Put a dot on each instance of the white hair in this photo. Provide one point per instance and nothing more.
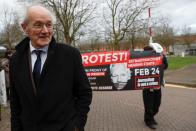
(25, 16)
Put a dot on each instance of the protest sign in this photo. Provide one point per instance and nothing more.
(123, 70)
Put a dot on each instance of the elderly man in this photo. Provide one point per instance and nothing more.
(49, 87)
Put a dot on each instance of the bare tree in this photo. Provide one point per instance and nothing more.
(122, 16)
(11, 32)
(164, 33)
(72, 15)
(187, 36)
(58, 31)
(136, 32)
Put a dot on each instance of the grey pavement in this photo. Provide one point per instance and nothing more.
(185, 76)
(123, 111)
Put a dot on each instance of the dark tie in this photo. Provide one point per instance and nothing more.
(37, 67)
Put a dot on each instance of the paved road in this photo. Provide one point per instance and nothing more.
(123, 111)
(184, 76)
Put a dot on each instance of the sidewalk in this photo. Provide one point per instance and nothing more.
(124, 111)
(185, 76)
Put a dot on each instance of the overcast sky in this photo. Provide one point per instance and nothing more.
(180, 12)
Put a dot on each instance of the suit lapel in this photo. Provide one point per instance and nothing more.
(47, 64)
(26, 75)
(49, 59)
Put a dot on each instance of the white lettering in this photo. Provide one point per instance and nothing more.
(108, 58)
(93, 57)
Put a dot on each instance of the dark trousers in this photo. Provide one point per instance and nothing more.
(152, 102)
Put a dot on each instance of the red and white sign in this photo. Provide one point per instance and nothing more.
(144, 62)
(142, 70)
(104, 58)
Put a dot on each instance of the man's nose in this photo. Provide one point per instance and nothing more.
(44, 29)
(119, 78)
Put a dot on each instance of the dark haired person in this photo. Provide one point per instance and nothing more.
(152, 97)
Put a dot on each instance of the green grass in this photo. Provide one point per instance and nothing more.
(180, 62)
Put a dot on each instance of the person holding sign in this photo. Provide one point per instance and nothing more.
(152, 96)
(120, 76)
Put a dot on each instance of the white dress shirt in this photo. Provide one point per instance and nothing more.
(34, 56)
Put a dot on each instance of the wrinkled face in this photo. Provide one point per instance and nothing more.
(119, 76)
(39, 28)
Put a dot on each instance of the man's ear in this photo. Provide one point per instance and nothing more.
(24, 28)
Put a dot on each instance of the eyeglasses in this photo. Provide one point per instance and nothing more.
(40, 26)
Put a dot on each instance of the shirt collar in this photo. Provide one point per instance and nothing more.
(44, 49)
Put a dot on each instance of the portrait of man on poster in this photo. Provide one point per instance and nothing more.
(120, 76)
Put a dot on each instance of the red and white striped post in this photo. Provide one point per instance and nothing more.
(149, 25)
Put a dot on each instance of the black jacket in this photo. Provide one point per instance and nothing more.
(62, 99)
(164, 66)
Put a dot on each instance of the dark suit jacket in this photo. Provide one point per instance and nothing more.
(62, 99)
